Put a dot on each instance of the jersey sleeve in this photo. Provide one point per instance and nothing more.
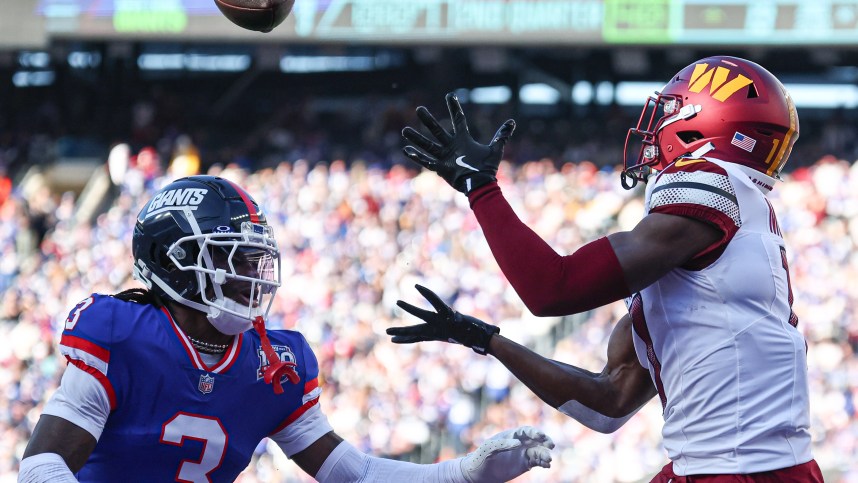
(304, 431)
(308, 368)
(702, 190)
(86, 340)
(81, 400)
(548, 283)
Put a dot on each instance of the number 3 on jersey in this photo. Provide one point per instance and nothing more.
(74, 316)
(205, 429)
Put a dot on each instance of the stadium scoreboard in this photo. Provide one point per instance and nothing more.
(503, 22)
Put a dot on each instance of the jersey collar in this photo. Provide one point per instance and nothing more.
(762, 181)
(229, 356)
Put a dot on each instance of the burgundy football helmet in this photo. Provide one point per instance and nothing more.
(736, 105)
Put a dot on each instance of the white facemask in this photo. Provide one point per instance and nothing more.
(229, 323)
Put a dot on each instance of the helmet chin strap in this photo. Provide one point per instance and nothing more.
(685, 112)
(149, 279)
(702, 150)
(225, 321)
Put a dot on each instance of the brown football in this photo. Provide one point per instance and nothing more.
(259, 15)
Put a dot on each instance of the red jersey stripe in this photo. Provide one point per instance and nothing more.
(310, 385)
(636, 312)
(295, 415)
(231, 355)
(223, 365)
(189, 349)
(86, 346)
(101, 378)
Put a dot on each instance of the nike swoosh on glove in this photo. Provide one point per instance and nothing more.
(464, 163)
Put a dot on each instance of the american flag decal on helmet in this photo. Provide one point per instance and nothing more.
(743, 141)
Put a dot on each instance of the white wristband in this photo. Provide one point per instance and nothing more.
(346, 463)
(45, 468)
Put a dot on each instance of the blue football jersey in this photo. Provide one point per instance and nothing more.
(173, 418)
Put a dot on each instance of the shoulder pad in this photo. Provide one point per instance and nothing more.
(695, 183)
(90, 318)
(98, 322)
(88, 331)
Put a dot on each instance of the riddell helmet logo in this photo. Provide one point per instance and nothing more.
(716, 78)
(177, 197)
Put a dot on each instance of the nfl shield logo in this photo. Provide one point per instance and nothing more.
(206, 384)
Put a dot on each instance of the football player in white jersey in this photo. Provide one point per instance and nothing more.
(710, 328)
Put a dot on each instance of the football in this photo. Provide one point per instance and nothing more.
(259, 15)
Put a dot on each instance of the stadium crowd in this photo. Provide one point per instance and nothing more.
(355, 238)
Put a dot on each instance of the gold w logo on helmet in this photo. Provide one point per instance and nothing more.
(716, 78)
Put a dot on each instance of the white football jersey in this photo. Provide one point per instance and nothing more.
(719, 336)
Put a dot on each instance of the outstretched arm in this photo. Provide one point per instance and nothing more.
(601, 401)
(600, 272)
(500, 458)
(310, 441)
(548, 283)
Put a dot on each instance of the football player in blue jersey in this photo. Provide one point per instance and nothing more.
(171, 384)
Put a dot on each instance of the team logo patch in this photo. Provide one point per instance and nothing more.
(716, 78)
(206, 384)
(176, 199)
(283, 351)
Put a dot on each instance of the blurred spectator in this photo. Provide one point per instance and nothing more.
(186, 159)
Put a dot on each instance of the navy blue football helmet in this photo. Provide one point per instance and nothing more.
(202, 241)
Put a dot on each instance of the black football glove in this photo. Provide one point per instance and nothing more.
(461, 161)
(445, 325)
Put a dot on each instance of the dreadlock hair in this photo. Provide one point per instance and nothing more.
(140, 296)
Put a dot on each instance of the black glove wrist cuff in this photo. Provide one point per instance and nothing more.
(478, 334)
(483, 348)
(477, 180)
